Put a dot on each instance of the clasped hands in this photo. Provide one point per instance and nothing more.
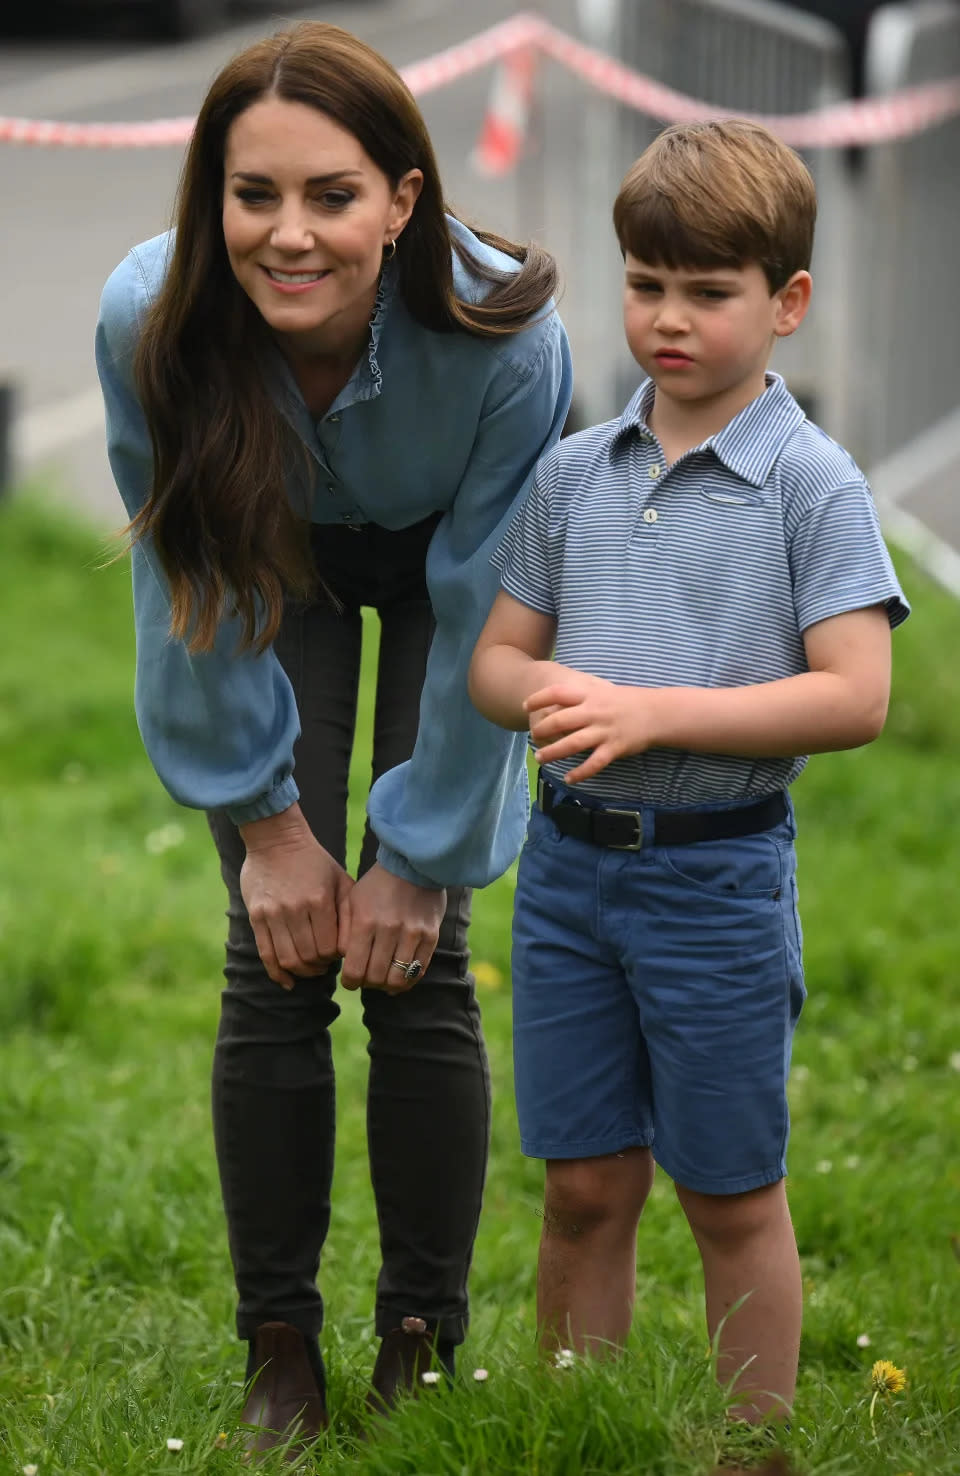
(578, 713)
(306, 911)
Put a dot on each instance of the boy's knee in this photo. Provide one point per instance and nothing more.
(583, 1194)
(727, 1220)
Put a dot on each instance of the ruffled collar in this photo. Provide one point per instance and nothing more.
(366, 380)
(386, 290)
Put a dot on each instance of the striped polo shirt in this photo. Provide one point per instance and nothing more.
(705, 573)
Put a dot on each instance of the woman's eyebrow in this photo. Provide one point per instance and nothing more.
(314, 179)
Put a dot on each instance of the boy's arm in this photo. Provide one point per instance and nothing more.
(841, 702)
(511, 660)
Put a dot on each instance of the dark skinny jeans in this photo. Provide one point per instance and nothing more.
(428, 1099)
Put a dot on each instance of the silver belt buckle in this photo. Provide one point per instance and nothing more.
(637, 843)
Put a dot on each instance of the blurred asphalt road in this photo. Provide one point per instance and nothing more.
(71, 214)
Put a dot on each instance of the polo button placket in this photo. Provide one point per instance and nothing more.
(646, 531)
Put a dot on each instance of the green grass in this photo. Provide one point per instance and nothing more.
(115, 1290)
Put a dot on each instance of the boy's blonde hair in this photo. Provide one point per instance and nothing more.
(719, 194)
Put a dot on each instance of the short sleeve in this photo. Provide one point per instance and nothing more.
(523, 557)
(839, 560)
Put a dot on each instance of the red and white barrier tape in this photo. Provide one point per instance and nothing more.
(506, 122)
(857, 121)
(162, 133)
(860, 121)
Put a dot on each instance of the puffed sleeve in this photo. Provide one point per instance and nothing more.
(455, 812)
(219, 727)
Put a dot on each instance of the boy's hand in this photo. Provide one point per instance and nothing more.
(537, 717)
(587, 714)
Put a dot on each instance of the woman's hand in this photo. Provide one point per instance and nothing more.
(385, 918)
(294, 893)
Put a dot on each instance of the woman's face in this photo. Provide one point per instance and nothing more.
(306, 217)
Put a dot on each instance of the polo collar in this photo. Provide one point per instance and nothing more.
(749, 445)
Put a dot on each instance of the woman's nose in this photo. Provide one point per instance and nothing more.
(291, 232)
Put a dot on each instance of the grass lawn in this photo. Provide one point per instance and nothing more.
(116, 1299)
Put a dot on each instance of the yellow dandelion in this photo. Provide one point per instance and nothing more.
(487, 975)
(886, 1378)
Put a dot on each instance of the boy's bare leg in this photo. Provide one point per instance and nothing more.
(587, 1270)
(749, 1251)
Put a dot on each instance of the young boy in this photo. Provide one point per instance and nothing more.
(709, 576)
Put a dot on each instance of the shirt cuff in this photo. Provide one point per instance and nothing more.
(392, 861)
(274, 802)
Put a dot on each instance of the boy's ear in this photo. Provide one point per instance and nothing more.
(793, 299)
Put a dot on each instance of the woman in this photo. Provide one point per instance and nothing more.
(323, 392)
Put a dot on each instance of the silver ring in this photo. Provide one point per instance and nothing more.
(411, 970)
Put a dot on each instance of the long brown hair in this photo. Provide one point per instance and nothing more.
(218, 513)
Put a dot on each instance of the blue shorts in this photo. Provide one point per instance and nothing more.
(655, 994)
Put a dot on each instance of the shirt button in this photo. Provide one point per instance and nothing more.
(655, 469)
(650, 515)
(331, 489)
(334, 419)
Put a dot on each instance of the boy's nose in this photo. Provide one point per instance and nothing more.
(671, 318)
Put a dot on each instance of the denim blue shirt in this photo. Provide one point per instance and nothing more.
(428, 422)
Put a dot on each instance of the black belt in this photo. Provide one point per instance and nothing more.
(623, 829)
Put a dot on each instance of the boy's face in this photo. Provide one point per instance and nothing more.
(707, 334)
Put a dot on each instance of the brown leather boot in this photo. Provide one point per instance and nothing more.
(286, 1398)
(406, 1353)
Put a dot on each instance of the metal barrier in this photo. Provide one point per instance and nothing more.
(760, 57)
(877, 361)
(905, 348)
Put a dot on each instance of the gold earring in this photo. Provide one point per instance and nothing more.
(390, 251)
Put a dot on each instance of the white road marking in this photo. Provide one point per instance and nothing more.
(927, 455)
(904, 472)
(932, 553)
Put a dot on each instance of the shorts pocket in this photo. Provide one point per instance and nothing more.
(541, 831)
(749, 866)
